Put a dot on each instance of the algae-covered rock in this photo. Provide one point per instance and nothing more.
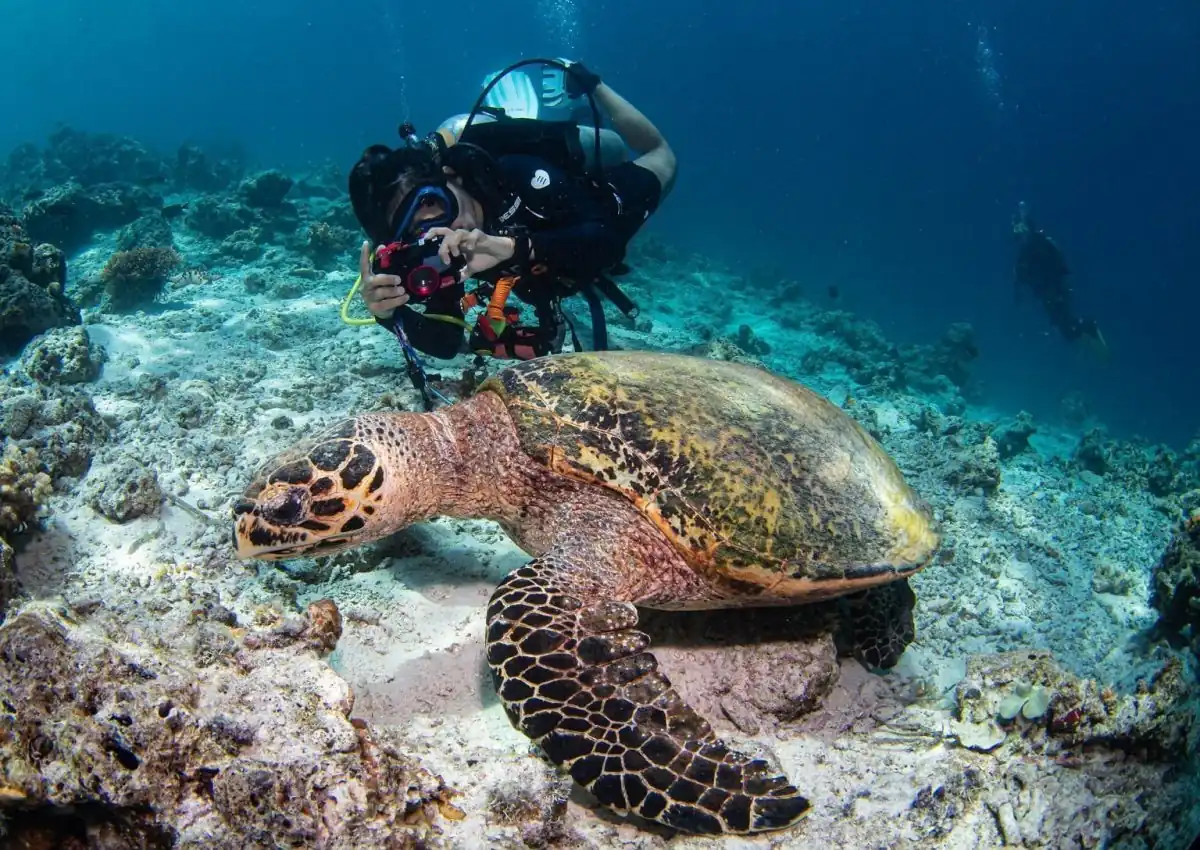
(24, 488)
(127, 490)
(8, 576)
(63, 356)
(1012, 437)
(1057, 710)
(100, 731)
(1176, 593)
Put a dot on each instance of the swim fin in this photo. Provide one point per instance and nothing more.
(515, 94)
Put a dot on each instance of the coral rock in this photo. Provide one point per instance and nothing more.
(63, 356)
(32, 281)
(128, 490)
(1176, 593)
(266, 190)
(69, 214)
(24, 488)
(137, 276)
(252, 751)
(1012, 438)
(150, 231)
(976, 467)
(1158, 721)
(8, 576)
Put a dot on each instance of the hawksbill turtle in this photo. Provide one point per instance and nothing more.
(632, 479)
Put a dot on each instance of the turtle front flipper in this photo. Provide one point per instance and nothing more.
(573, 675)
(878, 623)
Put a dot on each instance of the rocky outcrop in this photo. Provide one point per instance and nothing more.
(32, 287)
(1176, 586)
(105, 733)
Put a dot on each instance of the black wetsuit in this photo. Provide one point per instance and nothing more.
(1041, 267)
(576, 229)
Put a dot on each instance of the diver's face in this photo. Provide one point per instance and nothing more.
(470, 215)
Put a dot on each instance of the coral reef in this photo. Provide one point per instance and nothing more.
(32, 287)
(723, 348)
(87, 159)
(128, 489)
(136, 277)
(59, 422)
(858, 346)
(1138, 465)
(326, 242)
(1012, 437)
(63, 356)
(218, 218)
(68, 215)
(93, 158)
(1176, 586)
(8, 577)
(195, 169)
(949, 358)
(152, 230)
(24, 489)
(115, 739)
(532, 803)
(266, 190)
(1025, 700)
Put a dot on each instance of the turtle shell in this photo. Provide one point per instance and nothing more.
(755, 478)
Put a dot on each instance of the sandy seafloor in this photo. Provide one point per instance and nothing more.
(214, 379)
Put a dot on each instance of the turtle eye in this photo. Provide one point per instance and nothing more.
(288, 507)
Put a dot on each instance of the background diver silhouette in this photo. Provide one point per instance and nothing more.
(1041, 267)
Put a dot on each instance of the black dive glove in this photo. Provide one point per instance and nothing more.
(580, 80)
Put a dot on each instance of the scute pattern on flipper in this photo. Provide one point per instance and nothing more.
(753, 476)
(879, 623)
(575, 678)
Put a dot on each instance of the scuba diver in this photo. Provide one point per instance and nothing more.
(516, 196)
(1040, 266)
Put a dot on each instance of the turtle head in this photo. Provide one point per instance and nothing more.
(355, 483)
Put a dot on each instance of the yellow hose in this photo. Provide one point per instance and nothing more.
(344, 312)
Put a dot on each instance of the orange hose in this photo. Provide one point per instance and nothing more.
(495, 307)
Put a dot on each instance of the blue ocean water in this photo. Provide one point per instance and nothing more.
(874, 147)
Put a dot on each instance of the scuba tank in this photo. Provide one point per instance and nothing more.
(500, 141)
(512, 92)
(512, 115)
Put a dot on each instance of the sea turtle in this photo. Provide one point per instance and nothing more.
(632, 478)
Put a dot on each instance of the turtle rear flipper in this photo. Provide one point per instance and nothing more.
(572, 674)
(878, 623)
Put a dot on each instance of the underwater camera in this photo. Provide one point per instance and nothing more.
(418, 265)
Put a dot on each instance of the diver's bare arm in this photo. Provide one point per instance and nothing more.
(640, 134)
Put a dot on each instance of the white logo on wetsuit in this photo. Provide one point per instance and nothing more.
(511, 211)
(541, 179)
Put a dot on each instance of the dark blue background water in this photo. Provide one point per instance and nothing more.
(853, 144)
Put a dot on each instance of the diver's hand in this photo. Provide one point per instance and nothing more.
(482, 251)
(579, 80)
(382, 293)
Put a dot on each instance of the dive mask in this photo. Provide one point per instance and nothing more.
(421, 197)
